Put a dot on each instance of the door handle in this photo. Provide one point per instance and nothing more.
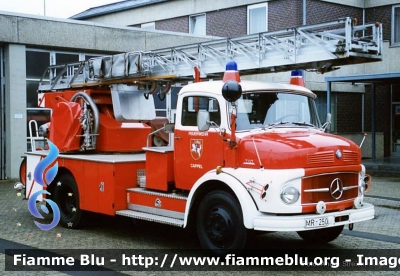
(177, 137)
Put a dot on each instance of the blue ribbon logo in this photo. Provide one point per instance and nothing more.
(49, 176)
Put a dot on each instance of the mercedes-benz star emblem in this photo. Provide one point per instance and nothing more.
(336, 188)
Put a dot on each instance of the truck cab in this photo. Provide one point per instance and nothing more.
(262, 154)
(266, 113)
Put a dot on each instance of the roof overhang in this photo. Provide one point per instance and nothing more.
(367, 78)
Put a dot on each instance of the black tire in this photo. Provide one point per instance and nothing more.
(219, 223)
(321, 236)
(22, 173)
(66, 196)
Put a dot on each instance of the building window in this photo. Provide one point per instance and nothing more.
(36, 64)
(257, 18)
(63, 58)
(396, 25)
(197, 24)
(148, 26)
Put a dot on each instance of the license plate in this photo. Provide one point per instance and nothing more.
(317, 222)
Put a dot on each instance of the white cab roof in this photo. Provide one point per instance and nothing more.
(215, 87)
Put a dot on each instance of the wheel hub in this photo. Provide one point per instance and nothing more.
(219, 227)
(67, 202)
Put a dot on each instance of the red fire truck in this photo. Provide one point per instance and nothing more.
(241, 155)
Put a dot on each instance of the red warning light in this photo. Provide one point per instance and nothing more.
(231, 72)
(297, 78)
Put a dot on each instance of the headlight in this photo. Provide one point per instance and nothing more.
(290, 195)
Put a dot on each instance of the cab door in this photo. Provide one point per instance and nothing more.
(196, 152)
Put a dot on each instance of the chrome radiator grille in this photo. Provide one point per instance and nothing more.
(337, 190)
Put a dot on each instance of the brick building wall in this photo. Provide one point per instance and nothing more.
(228, 22)
(384, 14)
(178, 24)
(224, 23)
(284, 14)
(349, 112)
(318, 12)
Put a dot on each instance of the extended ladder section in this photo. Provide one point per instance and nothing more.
(320, 48)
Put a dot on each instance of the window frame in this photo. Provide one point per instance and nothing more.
(256, 6)
(32, 79)
(190, 108)
(148, 26)
(191, 17)
(393, 28)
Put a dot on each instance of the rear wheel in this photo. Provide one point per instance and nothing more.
(220, 223)
(22, 173)
(321, 235)
(66, 196)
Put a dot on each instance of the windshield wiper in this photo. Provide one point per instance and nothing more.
(275, 124)
(303, 124)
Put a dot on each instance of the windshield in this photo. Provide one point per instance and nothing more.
(263, 109)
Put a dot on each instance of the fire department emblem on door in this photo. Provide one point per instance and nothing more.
(196, 148)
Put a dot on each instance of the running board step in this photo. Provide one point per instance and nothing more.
(156, 193)
(151, 217)
(163, 204)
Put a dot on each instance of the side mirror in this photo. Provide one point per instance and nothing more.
(203, 120)
(169, 127)
(327, 124)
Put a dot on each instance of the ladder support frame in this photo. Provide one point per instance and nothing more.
(320, 47)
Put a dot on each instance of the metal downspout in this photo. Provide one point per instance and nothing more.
(328, 99)
(373, 140)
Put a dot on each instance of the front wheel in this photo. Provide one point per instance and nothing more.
(220, 223)
(66, 196)
(324, 235)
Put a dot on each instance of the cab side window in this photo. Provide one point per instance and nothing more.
(192, 105)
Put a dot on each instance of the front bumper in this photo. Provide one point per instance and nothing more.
(266, 222)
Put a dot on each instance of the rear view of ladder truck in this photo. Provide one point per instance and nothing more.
(240, 155)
